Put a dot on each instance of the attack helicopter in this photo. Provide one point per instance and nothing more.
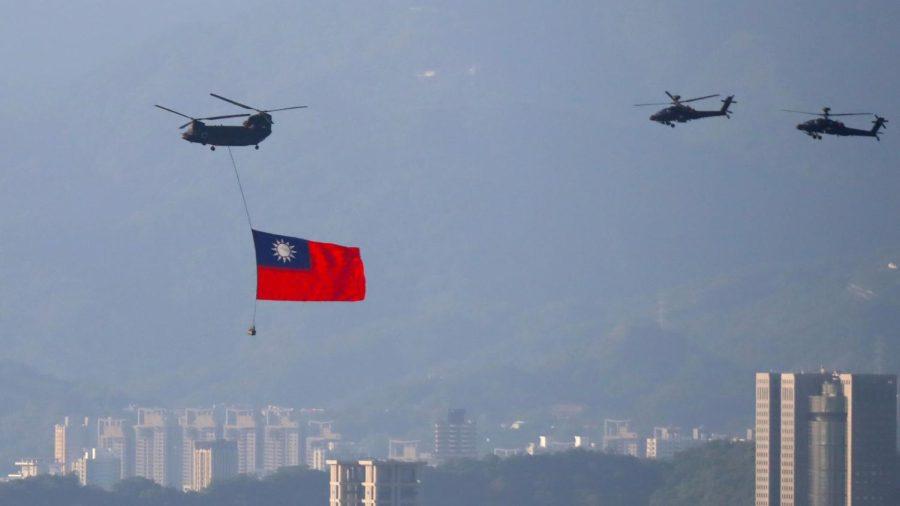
(678, 112)
(253, 131)
(825, 125)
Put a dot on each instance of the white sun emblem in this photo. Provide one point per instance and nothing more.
(283, 251)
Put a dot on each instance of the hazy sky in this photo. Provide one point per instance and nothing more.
(485, 156)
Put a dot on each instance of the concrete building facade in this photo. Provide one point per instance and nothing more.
(666, 442)
(619, 439)
(116, 435)
(196, 425)
(98, 468)
(282, 438)
(212, 461)
(455, 438)
(70, 438)
(241, 426)
(403, 451)
(157, 447)
(374, 483)
(768, 439)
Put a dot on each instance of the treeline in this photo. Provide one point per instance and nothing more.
(711, 475)
(293, 486)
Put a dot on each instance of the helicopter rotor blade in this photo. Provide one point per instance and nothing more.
(673, 97)
(700, 98)
(851, 114)
(804, 112)
(220, 97)
(227, 116)
(286, 108)
(655, 103)
(173, 112)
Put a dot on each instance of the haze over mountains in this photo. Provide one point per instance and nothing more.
(530, 238)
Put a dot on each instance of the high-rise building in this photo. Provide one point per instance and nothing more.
(281, 439)
(768, 439)
(871, 437)
(796, 389)
(455, 438)
(116, 435)
(241, 426)
(828, 446)
(70, 438)
(99, 468)
(196, 425)
(374, 483)
(213, 460)
(835, 436)
(157, 447)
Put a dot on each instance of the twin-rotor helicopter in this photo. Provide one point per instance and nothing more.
(678, 112)
(254, 130)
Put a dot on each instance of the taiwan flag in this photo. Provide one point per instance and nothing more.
(288, 268)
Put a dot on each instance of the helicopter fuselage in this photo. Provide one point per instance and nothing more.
(681, 113)
(223, 135)
(816, 127)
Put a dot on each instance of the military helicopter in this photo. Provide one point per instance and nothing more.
(677, 112)
(254, 129)
(825, 125)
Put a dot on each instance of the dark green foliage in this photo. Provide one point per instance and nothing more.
(711, 475)
(52, 491)
(572, 478)
(289, 486)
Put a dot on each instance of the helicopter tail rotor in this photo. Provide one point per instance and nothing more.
(878, 124)
(726, 103)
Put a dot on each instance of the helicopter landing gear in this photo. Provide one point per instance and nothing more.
(212, 148)
(256, 147)
(672, 125)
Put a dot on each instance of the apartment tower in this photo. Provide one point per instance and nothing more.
(196, 425)
(374, 483)
(157, 447)
(281, 439)
(455, 437)
(241, 426)
(212, 461)
(116, 436)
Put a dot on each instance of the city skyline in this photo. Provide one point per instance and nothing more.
(566, 296)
